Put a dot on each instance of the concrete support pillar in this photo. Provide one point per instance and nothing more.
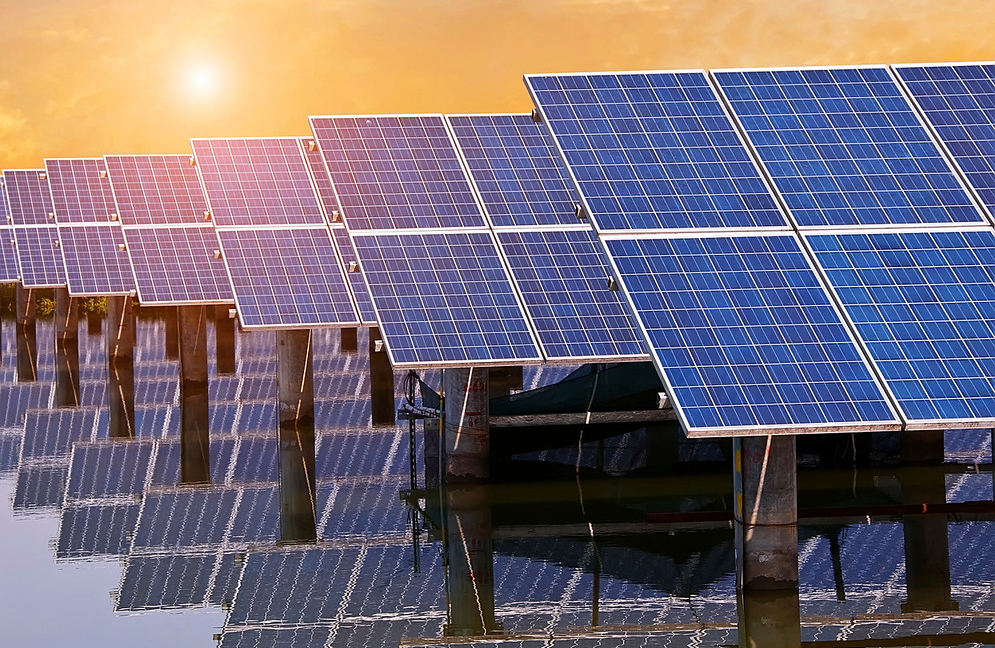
(172, 333)
(769, 619)
(432, 433)
(382, 381)
(25, 329)
(470, 563)
(295, 377)
(192, 327)
(467, 428)
(298, 508)
(922, 447)
(195, 437)
(927, 548)
(766, 512)
(121, 366)
(349, 340)
(224, 330)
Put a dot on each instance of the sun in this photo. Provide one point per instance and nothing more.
(202, 78)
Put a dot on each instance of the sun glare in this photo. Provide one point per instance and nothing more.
(202, 79)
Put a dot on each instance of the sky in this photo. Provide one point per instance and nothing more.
(92, 77)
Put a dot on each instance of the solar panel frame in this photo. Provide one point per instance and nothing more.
(94, 261)
(360, 293)
(859, 357)
(969, 204)
(157, 190)
(38, 259)
(748, 159)
(81, 190)
(176, 266)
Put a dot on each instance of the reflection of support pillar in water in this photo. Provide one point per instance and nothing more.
(298, 514)
(195, 438)
(192, 328)
(224, 330)
(25, 329)
(467, 427)
(382, 382)
(499, 379)
(121, 366)
(295, 379)
(66, 315)
(94, 322)
(766, 513)
(470, 563)
(433, 446)
(349, 340)
(769, 619)
(67, 392)
(172, 333)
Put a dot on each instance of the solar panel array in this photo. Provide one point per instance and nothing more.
(8, 257)
(35, 237)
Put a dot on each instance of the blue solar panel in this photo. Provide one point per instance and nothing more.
(844, 147)
(8, 257)
(445, 298)
(96, 261)
(38, 257)
(924, 305)
(322, 181)
(87, 531)
(563, 278)
(29, 197)
(284, 277)
(959, 103)
(257, 181)
(51, 433)
(654, 151)
(396, 172)
(746, 336)
(514, 164)
(176, 265)
(108, 468)
(156, 189)
(363, 300)
(81, 190)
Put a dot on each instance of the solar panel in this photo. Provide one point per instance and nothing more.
(108, 468)
(844, 147)
(518, 173)
(167, 581)
(746, 337)
(104, 530)
(81, 190)
(924, 304)
(257, 181)
(29, 197)
(396, 172)
(38, 258)
(188, 518)
(97, 262)
(359, 291)
(8, 258)
(322, 181)
(51, 433)
(445, 299)
(176, 265)
(958, 100)
(654, 150)
(286, 278)
(563, 278)
(156, 189)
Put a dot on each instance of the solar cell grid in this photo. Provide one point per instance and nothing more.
(8, 256)
(156, 189)
(322, 181)
(39, 260)
(445, 298)
(746, 336)
(958, 101)
(359, 290)
(844, 147)
(924, 305)
(514, 164)
(257, 181)
(29, 197)
(654, 150)
(176, 265)
(96, 261)
(396, 172)
(81, 190)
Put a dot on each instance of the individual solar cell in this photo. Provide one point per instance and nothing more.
(97, 262)
(563, 278)
(517, 171)
(38, 258)
(156, 189)
(359, 290)
(176, 265)
(924, 305)
(257, 181)
(88, 531)
(396, 172)
(29, 197)
(958, 101)
(81, 190)
(746, 337)
(444, 299)
(287, 278)
(844, 147)
(654, 151)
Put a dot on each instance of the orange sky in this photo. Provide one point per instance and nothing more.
(83, 78)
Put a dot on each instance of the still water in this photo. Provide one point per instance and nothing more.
(105, 540)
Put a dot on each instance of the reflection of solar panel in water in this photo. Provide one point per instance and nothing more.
(188, 518)
(165, 582)
(362, 510)
(514, 164)
(654, 151)
(81, 190)
(39, 486)
(101, 530)
(258, 460)
(445, 299)
(10, 452)
(17, 399)
(367, 452)
(176, 265)
(276, 638)
(257, 519)
(108, 468)
(96, 261)
(39, 262)
(396, 172)
(50, 434)
(287, 278)
(156, 189)
(257, 182)
(844, 147)
(29, 198)
(746, 336)
(924, 305)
